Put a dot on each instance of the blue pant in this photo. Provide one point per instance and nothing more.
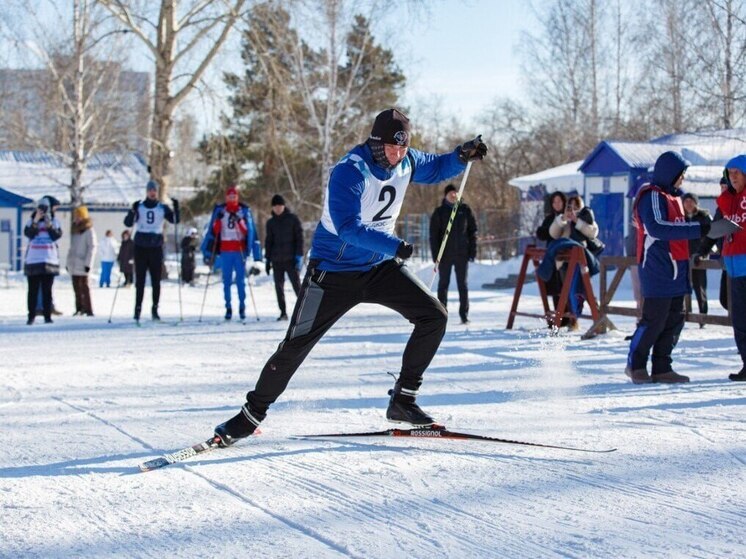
(233, 263)
(738, 313)
(105, 277)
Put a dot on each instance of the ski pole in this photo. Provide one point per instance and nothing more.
(116, 291)
(450, 223)
(209, 274)
(253, 301)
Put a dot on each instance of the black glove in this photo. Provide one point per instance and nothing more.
(87, 269)
(268, 266)
(254, 271)
(219, 215)
(404, 251)
(175, 203)
(472, 150)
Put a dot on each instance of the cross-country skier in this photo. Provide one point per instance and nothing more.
(149, 216)
(356, 258)
(233, 228)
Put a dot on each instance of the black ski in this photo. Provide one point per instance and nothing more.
(181, 455)
(441, 432)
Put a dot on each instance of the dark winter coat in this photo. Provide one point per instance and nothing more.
(284, 239)
(700, 216)
(462, 240)
(542, 232)
(188, 250)
(126, 256)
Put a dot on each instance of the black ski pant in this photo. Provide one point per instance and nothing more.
(659, 330)
(148, 260)
(461, 265)
(279, 269)
(35, 283)
(326, 296)
(699, 285)
(738, 313)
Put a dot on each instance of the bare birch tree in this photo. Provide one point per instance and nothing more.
(76, 90)
(183, 39)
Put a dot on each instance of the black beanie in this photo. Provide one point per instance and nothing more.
(278, 200)
(691, 196)
(449, 188)
(391, 127)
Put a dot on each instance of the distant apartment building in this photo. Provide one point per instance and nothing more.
(33, 116)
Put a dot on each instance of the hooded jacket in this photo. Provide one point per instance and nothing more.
(663, 232)
(362, 201)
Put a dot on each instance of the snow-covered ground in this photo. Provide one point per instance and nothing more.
(83, 402)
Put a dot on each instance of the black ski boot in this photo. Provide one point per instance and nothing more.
(240, 426)
(242, 313)
(403, 409)
(137, 314)
(154, 313)
(228, 313)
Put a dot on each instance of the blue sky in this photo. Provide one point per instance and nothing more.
(466, 53)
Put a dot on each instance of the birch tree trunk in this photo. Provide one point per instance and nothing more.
(195, 32)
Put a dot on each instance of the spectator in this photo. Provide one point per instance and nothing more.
(732, 203)
(80, 259)
(558, 201)
(149, 217)
(582, 225)
(232, 228)
(692, 212)
(42, 259)
(107, 254)
(189, 246)
(126, 258)
(283, 250)
(55, 204)
(460, 249)
(663, 261)
(706, 247)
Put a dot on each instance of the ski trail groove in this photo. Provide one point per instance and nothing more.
(309, 532)
(221, 487)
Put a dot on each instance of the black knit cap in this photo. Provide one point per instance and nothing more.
(449, 188)
(391, 127)
(278, 200)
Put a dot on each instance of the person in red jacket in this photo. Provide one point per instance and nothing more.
(732, 204)
(232, 227)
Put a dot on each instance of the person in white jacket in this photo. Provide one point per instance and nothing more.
(80, 259)
(107, 255)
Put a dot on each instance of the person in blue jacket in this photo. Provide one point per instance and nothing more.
(357, 258)
(231, 233)
(663, 265)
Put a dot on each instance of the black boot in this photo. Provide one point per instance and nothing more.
(403, 409)
(740, 376)
(154, 313)
(137, 314)
(240, 426)
(228, 313)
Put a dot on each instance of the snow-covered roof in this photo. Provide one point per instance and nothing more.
(707, 148)
(564, 177)
(111, 179)
(640, 154)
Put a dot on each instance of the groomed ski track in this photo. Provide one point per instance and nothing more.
(84, 402)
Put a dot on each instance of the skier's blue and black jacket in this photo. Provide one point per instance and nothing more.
(362, 202)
